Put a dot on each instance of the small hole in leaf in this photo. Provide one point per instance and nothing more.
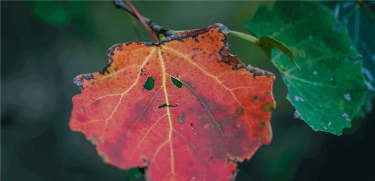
(149, 84)
(164, 105)
(176, 82)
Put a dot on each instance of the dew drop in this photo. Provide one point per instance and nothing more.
(347, 97)
(296, 98)
(346, 116)
(297, 114)
(181, 119)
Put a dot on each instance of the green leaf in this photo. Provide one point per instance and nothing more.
(266, 44)
(359, 20)
(329, 89)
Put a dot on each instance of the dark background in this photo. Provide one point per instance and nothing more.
(44, 45)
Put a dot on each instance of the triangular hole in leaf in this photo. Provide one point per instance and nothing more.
(176, 82)
(149, 84)
(141, 170)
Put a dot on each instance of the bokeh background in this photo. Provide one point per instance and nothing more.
(45, 44)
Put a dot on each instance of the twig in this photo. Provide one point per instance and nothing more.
(155, 28)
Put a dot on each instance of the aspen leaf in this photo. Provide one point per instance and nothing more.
(184, 108)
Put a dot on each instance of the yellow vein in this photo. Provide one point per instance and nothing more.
(169, 115)
(157, 150)
(148, 131)
(110, 75)
(191, 62)
(110, 95)
(122, 95)
(115, 73)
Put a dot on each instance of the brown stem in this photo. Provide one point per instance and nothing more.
(156, 28)
(142, 20)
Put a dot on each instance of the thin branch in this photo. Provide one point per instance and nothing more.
(142, 20)
(156, 28)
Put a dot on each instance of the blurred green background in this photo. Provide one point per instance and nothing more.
(45, 44)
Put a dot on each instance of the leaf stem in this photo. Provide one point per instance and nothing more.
(142, 20)
(244, 36)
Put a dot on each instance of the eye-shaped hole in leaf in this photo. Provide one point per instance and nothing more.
(149, 84)
(165, 105)
(176, 82)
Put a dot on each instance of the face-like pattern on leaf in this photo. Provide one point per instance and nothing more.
(185, 108)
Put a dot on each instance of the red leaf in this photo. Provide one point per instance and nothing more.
(221, 113)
